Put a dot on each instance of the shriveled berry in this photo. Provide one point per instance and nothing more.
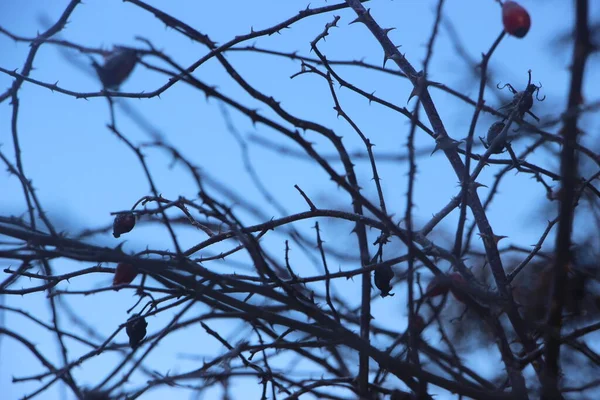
(522, 102)
(492, 133)
(124, 274)
(383, 277)
(515, 19)
(118, 65)
(136, 330)
(525, 99)
(123, 223)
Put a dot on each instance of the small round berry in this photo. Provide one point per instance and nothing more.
(123, 223)
(515, 19)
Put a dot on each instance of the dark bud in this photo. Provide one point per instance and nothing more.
(383, 277)
(117, 67)
(136, 330)
(123, 223)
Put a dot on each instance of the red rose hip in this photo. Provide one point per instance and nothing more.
(458, 280)
(515, 19)
(438, 286)
(124, 274)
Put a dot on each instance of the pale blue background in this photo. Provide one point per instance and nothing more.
(82, 172)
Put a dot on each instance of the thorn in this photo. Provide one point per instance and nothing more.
(415, 92)
(371, 97)
(445, 143)
(354, 21)
(386, 57)
(419, 87)
(496, 238)
(387, 30)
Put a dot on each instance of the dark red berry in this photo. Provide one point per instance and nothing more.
(458, 280)
(118, 65)
(383, 277)
(136, 330)
(437, 286)
(419, 323)
(124, 274)
(123, 223)
(515, 19)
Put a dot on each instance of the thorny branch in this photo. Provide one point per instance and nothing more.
(232, 268)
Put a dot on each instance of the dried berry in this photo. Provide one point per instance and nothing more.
(123, 223)
(383, 277)
(526, 99)
(515, 19)
(522, 101)
(492, 134)
(118, 65)
(124, 274)
(136, 330)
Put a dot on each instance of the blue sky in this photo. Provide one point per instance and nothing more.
(82, 172)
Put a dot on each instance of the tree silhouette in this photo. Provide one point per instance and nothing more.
(263, 246)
